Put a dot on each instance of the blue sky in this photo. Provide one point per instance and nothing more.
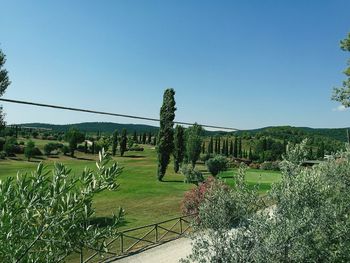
(245, 64)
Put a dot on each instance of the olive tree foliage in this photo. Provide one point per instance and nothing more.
(342, 94)
(165, 144)
(194, 143)
(47, 216)
(308, 221)
(4, 83)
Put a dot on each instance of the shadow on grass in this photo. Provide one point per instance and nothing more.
(84, 159)
(134, 156)
(172, 181)
(104, 221)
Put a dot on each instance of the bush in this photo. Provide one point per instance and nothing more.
(254, 165)
(50, 147)
(65, 149)
(205, 157)
(217, 164)
(273, 166)
(191, 175)
(10, 146)
(2, 155)
(194, 197)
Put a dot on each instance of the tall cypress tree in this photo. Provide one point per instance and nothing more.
(240, 147)
(144, 137)
(216, 146)
(219, 145)
(114, 142)
(235, 148)
(166, 132)
(250, 154)
(203, 147)
(226, 147)
(231, 148)
(211, 146)
(123, 142)
(135, 137)
(149, 139)
(179, 147)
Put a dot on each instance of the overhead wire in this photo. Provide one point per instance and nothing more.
(109, 113)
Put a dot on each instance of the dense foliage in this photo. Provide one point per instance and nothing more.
(4, 83)
(217, 164)
(194, 143)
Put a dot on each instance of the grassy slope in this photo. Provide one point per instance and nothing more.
(144, 199)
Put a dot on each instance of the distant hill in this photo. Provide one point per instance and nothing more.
(280, 132)
(107, 127)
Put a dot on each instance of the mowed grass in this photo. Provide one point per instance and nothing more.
(144, 199)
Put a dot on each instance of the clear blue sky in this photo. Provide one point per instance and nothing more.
(245, 64)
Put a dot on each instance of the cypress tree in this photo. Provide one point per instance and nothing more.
(166, 132)
(149, 139)
(211, 146)
(85, 147)
(240, 147)
(135, 137)
(115, 142)
(193, 143)
(219, 145)
(144, 137)
(235, 148)
(155, 140)
(140, 139)
(93, 147)
(123, 142)
(179, 147)
(203, 147)
(231, 148)
(216, 146)
(250, 155)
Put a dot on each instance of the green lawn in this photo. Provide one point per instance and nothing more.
(144, 199)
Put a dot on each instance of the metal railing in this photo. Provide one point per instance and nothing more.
(134, 240)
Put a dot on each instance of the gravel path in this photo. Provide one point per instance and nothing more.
(170, 252)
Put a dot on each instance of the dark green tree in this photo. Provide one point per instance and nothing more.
(194, 143)
(203, 147)
(231, 148)
(211, 146)
(166, 132)
(235, 148)
(123, 142)
(179, 147)
(149, 138)
(74, 137)
(144, 138)
(135, 137)
(115, 142)
(240, 147)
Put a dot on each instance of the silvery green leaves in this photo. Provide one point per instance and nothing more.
(45, 216)
(308, 221)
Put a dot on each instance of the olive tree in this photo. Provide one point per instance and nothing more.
(47, 216)
(4, 83)
(308, 220)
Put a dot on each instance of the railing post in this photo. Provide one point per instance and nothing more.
(81, 255)
(156, 235)
(121, 243)
(181, 225)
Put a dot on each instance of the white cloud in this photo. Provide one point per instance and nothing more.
(340, 108)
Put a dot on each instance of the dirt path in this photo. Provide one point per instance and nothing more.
(170, 252)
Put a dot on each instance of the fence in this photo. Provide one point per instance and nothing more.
(137, 239)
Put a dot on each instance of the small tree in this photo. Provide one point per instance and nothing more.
(179, 147)
(166, 132)
(123, 142)
(193, 143)
(73, 137)
(29, 150)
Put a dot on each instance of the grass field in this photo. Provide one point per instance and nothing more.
(144, 199)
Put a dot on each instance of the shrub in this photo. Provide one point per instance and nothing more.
(10, 146)
(194, 197)
(65, 149)
(136, 148)
(217, 164)
(205, 157)
(2, 155)
(273, 166)
(50, 147)
(254, 165)
(191, 175)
